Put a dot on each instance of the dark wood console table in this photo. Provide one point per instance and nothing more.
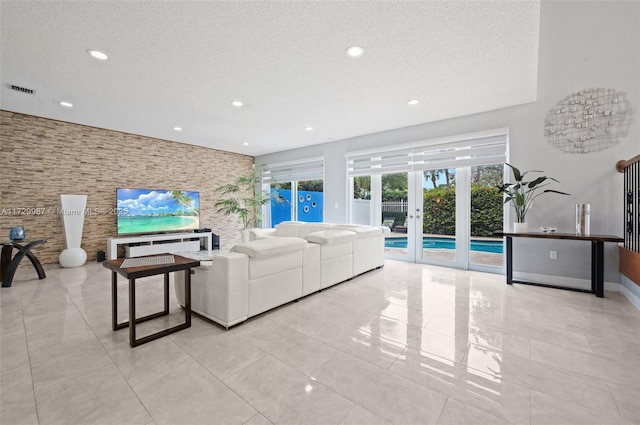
(133, 273)
(597, 257)
(9, 265)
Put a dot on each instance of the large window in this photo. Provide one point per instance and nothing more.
(300, 186)
(281, 210)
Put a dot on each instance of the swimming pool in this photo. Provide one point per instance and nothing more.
(447, 243)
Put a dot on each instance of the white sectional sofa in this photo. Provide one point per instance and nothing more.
(368, 247)
(280, 265)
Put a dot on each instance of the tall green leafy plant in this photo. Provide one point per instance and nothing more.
(242, 199)
(522, 193)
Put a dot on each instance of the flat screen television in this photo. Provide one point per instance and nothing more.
(157, 211)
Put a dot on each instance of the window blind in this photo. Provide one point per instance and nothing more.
(311, 169)
(392, 161)
(484, 148)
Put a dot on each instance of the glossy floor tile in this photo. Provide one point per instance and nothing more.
(455, 413)
(406, 344)
(73, 399)
(389, 396)
(284, 395)
(189, 393)
(495, 396)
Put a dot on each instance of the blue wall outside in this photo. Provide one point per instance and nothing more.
(310, 207)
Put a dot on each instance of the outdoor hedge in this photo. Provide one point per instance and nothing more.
(440, 211)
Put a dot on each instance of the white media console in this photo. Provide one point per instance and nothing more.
(157, 244)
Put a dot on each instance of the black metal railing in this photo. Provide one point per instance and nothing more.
(631, 170)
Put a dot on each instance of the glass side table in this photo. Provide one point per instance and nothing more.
(9, 263)
(198, 255)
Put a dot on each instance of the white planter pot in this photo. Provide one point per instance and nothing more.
(520, 228)
(244, 235)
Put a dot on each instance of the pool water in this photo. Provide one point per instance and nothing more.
(447, 243)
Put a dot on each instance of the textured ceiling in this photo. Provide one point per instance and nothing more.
(181, 64)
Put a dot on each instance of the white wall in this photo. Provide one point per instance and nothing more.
(582, 45)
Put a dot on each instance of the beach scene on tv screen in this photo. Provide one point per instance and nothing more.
(154, 211)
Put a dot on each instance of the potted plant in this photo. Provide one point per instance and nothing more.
(241, 198)
(522, 193)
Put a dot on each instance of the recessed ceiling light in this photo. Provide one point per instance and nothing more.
(237, 103)
(66, 104)
(98, 54)
(413, 102)
(245, 144)
(177, 128)
(309, 128)
(355, 51)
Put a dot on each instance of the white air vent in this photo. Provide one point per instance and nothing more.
(21, 89)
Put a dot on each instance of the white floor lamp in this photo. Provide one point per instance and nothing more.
(73, 207)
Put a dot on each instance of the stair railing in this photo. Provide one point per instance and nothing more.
(630, 253)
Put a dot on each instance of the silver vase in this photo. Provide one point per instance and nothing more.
(583, 219)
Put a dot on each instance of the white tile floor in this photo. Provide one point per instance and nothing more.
(407, 344)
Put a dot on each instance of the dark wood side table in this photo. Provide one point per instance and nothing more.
(133, 273)
(597, 257)
(9, 264)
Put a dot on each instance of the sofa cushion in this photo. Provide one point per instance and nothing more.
(298, 228)
(361, 231)
(336, 250)
(261, 233)
(267, 247)
(268, 266)
(327, 237)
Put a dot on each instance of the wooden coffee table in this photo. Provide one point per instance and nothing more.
(132, 273)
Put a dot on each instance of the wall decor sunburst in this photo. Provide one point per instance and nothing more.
(588, 121)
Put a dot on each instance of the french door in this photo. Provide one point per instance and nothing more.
(430, 232)
(445, 218)
(437, 197)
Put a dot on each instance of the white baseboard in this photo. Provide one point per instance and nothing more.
(569, 282)
(633, 298)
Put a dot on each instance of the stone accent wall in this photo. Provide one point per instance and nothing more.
(43, 158)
